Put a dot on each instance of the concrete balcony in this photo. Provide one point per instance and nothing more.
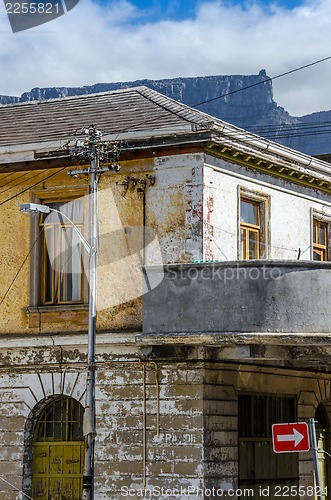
(207, 302)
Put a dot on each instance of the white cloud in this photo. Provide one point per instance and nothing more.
(97, 43)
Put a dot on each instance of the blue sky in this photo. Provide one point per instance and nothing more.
(181, 9)
(124, 40)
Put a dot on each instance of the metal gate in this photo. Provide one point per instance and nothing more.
(58, 452)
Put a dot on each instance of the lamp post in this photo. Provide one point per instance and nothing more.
(93, 150)
(89, 413)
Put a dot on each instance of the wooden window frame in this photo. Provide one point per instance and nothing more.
(261, 200)
(36, 260)
(323, 250)
(56, 292)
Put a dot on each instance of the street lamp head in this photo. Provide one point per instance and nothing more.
(34, 208)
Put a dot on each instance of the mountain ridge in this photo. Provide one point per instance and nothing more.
(243, 100)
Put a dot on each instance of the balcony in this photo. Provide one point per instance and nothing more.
(220, 303)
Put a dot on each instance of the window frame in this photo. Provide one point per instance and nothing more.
(56, 281)
(323, 218)
(262, 201)
(36, 260)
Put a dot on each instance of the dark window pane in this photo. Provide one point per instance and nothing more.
(320, 232)
(62, 420)
(249, 212)
(258, 464)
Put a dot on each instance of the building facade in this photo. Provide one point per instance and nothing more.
(213, 304)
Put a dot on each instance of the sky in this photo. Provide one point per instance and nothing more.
(121, 40)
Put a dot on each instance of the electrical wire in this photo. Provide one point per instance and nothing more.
(291, 130)
(12, 185)
(150, 122)
(35, 184)
(261, 243)
(12, 486)
(8, 175)
(20, 268)
(269, 79)
(275, 128)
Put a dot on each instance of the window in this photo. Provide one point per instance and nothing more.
(61, 254)
(250, 229)
(61, 420)
(259, 466)
(320, 240)
(253, 241)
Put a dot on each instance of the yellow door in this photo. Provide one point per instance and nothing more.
(58, 453)
(57, 471)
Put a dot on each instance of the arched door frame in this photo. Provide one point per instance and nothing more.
(29, 438)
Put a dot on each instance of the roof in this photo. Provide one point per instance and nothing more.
(114, 112)
(143, 118)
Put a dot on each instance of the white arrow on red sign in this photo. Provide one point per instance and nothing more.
(287, 438)
(296, 436)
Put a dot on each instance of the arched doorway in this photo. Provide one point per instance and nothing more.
(58, 451)
(323, 443)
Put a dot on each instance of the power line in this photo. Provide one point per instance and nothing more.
(20, 268)
(199, 104)
(35, 184)
(300, 125)
(261, 243)
(12, 185)
(5, 177)
(150, 122)
(269, 79)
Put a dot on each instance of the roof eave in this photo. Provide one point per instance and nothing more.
(142, 143)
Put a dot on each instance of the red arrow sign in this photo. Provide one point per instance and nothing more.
(289, 438)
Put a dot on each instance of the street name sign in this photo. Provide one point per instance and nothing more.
(289, 438)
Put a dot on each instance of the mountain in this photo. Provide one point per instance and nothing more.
(244, 100)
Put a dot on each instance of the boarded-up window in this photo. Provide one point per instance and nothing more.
(259, 466)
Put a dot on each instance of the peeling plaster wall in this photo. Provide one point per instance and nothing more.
(171, 422)
(167, 424)
(290, 211)
(175, 207)
(170, 208)
(15, 237)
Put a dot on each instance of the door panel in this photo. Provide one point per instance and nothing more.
(58, 470)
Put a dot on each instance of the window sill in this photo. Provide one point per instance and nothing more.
(74, 314)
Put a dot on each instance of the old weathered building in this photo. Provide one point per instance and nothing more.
(226, 330)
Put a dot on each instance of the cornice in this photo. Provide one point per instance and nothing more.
(266, 163)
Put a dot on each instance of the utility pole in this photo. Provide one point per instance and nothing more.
(314, 449)
(93, 150)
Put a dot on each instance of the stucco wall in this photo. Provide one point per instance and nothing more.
(290, 211)
(245, 296)
(160, 195)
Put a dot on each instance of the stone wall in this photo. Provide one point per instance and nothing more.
(167, 423)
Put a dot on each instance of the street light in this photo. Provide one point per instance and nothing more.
(89, 412)
(35, 208)
(93, 151)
